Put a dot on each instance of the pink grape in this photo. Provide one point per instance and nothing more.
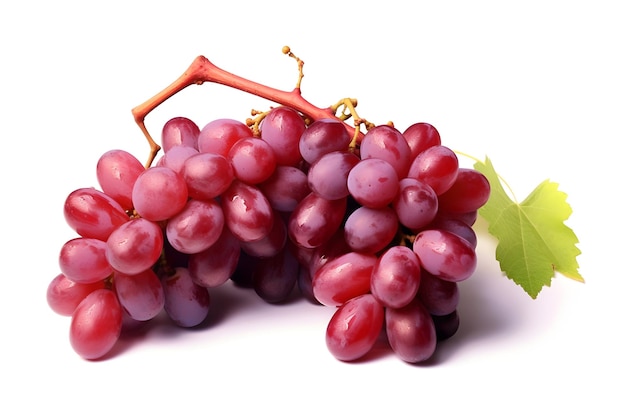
(439, 296)
(219, 135)
(328, 175)
(345, 277)
(387, 143)
(207, 175)
(322, 137)
(271, 244)
(436, 166)
(92, 213)
(247, 212)
(354, 328)
(282, 128)
(369, 230)
(252, 159)
(216, 264)
(315, 220)
(445, 254)
(140, 295)
(421, 136)
(373, 182)
(396, 277)
(117, 171)
(176, 157)
(83, 260)
(64, 295)
(186, 302)
(458, 227)
(96, 324)
(411, 332)
(135, 246)
(469, 192)
(275, 277)
(415, 204)
(285, 188)
(179, 131)
(159, 193)
(196, 227)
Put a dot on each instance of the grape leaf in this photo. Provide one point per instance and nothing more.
(533, 241)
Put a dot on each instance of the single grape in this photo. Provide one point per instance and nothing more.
(396, 277)
(159, 193)
(135, 246)
(219, 135)
(196, 227)
(469, 192)
(84, 260)
(285, 188)
(140, 295)
(315, 220)
(207, 175)
(247, 212)
(415, 204)
(445, 254)
(275, 277)
(252, 159)
(117, 171)
(186, 302)
(215, 265)
(421, 136)
(456, 226)
(96, 324)
(322, 137)
(411, 332)
(270, 245)
(64, 295)
(370, 230)
(373, 183)
(342, 278)
(179, 131)
(439, 296)
(354, 328)
(92, 213)
(387, 143)
(282, 128)
(176, 158)
(446, 326)
(328, 175)
(436, 166)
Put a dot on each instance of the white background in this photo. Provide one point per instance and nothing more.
(539, 87)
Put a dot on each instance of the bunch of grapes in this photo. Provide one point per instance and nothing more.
(379, 229)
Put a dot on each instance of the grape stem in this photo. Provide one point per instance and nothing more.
(202, 70)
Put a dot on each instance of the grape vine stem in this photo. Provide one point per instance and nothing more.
(202, 70)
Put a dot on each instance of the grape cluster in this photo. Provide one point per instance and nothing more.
(379, 229)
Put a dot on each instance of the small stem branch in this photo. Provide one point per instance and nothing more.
(202, 70)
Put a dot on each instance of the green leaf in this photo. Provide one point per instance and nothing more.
(533, 241)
